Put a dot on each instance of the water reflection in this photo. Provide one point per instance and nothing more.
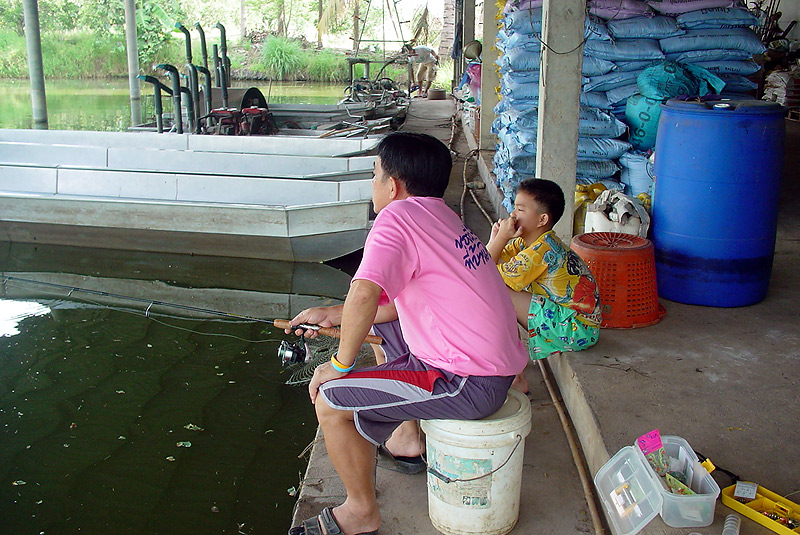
(105, 105)
(12, 312)
(100, 405)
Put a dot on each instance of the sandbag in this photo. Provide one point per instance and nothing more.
(718, 17)
(658, 27)
(642, 115)
(589, 148)
(609, 81)
(593, 66)
(621, 94)
(676, 7)
(669, 79)
(627, 66)
(625, 49)
(591, 122)
(618, 9)
(529, 22)
(743, 67)
(697, 56)
(743, 39)
(637, 173)
(525, 164)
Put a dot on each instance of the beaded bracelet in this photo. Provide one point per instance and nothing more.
(339, 367)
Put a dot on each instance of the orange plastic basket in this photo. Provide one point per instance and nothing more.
(624, 267)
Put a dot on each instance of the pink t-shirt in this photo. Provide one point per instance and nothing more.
(453, 306)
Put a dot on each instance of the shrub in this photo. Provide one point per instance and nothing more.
(282, 58)
(326, 66)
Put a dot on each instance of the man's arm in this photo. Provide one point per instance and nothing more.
(358, 314)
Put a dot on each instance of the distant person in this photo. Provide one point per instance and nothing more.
(554, 294)
(428, 62)
(427, 285)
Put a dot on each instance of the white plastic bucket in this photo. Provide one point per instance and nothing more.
(475, 469)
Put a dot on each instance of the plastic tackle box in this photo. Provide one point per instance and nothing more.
(632, 493)
(766, 502)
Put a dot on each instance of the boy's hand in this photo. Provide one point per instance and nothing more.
(495, 229)
(507, 229)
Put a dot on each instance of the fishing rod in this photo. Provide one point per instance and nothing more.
(332, 332)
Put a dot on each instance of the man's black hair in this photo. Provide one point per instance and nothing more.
(548, 194)
(421, 162)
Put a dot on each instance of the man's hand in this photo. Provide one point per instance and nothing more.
(322, 316)
(322, 374)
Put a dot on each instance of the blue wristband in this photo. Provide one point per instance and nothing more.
(338, 366)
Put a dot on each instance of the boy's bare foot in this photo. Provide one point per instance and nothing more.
(521, 383)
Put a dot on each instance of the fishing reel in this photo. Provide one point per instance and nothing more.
(293, 352)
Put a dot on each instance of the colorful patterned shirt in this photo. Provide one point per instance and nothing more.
(551, 269)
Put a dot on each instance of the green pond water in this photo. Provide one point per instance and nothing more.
(101, 398)
(105, 104)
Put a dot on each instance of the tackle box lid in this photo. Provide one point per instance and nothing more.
(629, 491)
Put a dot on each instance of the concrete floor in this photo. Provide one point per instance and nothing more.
(723, 379)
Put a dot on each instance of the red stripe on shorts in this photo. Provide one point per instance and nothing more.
(422, 379)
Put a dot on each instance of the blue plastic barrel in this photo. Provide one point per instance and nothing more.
(715, 204)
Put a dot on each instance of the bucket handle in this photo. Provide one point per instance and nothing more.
(434, 472)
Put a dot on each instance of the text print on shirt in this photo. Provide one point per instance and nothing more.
(475, 252)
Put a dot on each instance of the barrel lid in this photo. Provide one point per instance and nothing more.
(758, 107)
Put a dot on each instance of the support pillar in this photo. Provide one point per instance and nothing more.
(559, 100)
(132, 49)
(489, 77)
(33, 41)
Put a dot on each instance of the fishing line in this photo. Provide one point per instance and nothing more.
(151, 316)
(147, 313)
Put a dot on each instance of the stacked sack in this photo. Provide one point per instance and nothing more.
(709, 52)
(637, 54)
(599, 145)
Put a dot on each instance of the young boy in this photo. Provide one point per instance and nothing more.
(554, 294)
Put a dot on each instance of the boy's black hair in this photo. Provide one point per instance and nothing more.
(548, 194)
(421, 162)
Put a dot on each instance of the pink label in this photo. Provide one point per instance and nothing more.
(650, 442)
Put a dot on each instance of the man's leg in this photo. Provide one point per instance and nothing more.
(353, 457)
(407, 440)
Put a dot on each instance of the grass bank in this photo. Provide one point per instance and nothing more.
(85, 55)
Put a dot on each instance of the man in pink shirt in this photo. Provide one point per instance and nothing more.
(428, 286)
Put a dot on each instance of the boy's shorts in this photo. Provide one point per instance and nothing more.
(405, 388)
(553, 328)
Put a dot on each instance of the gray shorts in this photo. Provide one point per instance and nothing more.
(405, 388)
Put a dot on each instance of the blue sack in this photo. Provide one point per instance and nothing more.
(633, 65)
(730, 39)
(743, 67)
(718, 17)
(697, 56)
(610, 81)
(624, 49)
(669, 79)
(657, 27)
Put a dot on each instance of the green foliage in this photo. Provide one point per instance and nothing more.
(326, 66)
(155, 28)
(282, 58)
(13, 60)
(84, 56)
(444, 75)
